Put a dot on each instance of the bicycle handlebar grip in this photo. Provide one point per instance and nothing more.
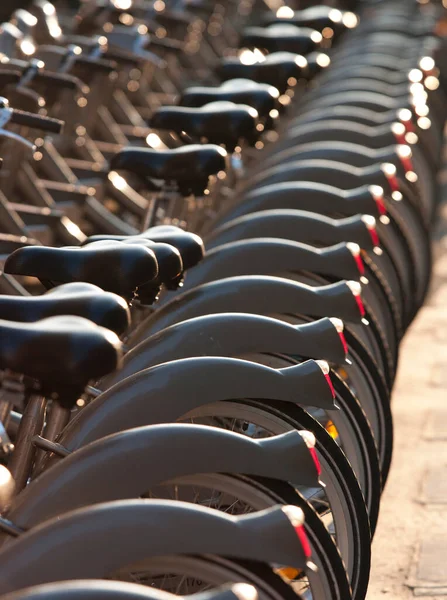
(27, 119)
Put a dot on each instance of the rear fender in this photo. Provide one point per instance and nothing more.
(270, 256)
(304, 194)
(94, 542)
(168, 392)
(296, 225)
(232, 334)
(255, 294)
(130, 463)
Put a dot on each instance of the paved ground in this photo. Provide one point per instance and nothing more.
(410, 546)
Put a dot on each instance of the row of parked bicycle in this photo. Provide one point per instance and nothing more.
(210, 256)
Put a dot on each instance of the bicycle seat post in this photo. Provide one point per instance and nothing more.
(31, 424)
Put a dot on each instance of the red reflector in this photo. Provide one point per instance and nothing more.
(405, 117)
(344, 343)
(313, 453)
(393, 182)
(380, 203)
(302, 536)
(409, 126)
(330, 384)
(374, 236)
(405, 159)
(360, 305)
(360, 265)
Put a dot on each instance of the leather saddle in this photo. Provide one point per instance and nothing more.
(189, 245)
(316, 17)
(76, 299)
(187, 167)
(282, 37)
(118, 268)
(170, 265)
(260, 96)
(275, 70)
(220, 122)
(62, 353)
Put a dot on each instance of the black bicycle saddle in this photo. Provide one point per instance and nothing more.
(282, 37)
(189, 245)
(315, 17)
(189, 167)
(276, 69)
(77, 299)
(62, 353)
(220, 122)
(119, 268)
(170, 265)
(260, 96)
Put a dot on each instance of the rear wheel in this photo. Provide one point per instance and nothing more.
(340, 503)
(349, 427)
(184, 575)
(235, 494)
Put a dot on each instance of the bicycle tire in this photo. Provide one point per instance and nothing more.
(220, 570)
(346, 499)
(354, 432)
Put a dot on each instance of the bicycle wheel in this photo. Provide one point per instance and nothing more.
(237, 494)
(368, 385)
(341, 505)
(372, 336)
(184, 575)
(349, 427)
(415, 236)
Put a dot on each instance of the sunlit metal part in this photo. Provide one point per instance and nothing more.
(431, 83)
(122, 4)
(316, 37)
(350, 20)
(244, 591)
(247, 57)
(284, 12)
(301, 61)
(117, 181)
(323, 60)
(335, 15)
(427, 63)
(424, 123)
(27, 47)
(415, 75)
(421, 110)
(411, 138)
